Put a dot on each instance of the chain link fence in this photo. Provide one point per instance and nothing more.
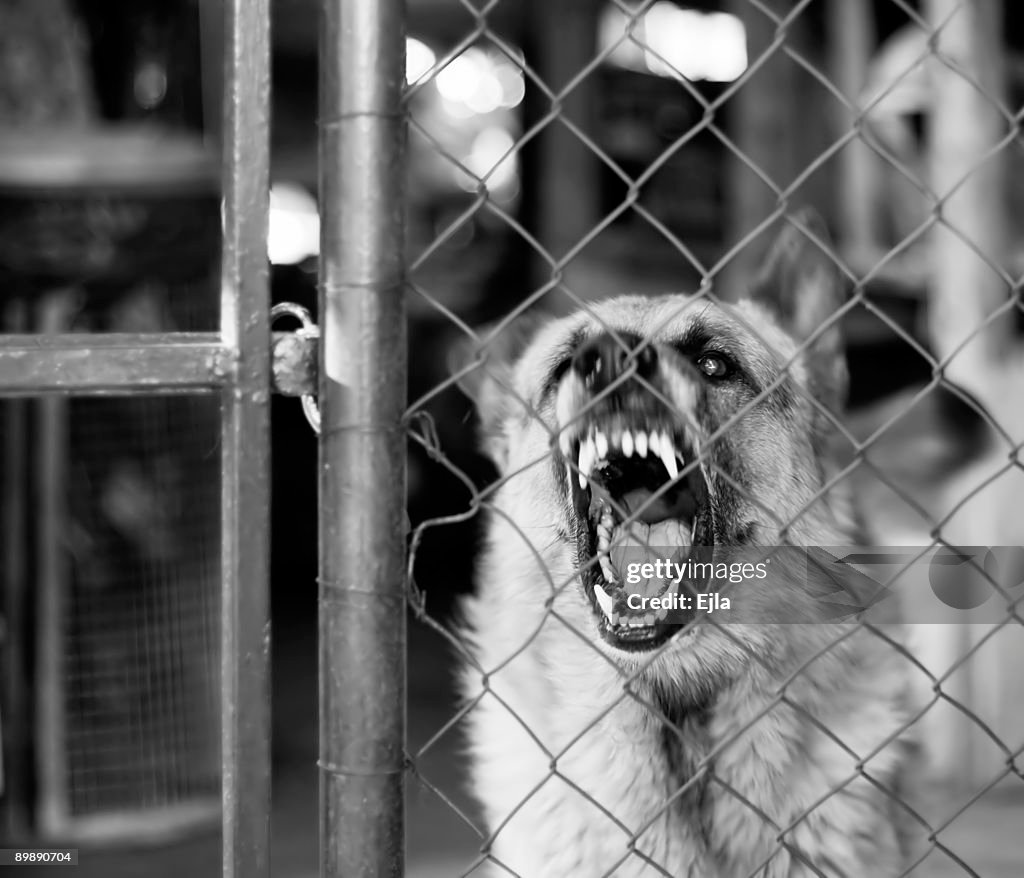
(644, 147)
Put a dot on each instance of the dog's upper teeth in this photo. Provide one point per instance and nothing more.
(601, 444)
(652, 441)
(604, 601)
(588, 456)
(667, 453)
(641, 443)
(627, 443)
(564, 443)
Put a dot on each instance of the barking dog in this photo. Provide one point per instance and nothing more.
(611, 740)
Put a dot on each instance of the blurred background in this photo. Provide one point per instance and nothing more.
(559, 151)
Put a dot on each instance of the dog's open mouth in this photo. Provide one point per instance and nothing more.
(638, 497)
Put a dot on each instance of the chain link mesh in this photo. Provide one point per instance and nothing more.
(945, 500)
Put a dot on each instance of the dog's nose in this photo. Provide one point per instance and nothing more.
(602, 360)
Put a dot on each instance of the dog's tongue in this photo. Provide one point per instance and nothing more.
(639, 543)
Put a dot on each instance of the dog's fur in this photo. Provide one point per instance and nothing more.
(729, 750)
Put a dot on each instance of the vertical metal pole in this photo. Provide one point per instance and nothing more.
(245, 627)
(53, 805)
(362, 443)
(14, 512)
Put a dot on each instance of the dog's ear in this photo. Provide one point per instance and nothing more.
(800, 284)
(484, 370)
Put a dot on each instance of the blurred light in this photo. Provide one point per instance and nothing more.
(491, 156)
(461, 78)
(513, 84)
(150, 84)
(419, 59)
(294, 225)
(677, 42)
(478, 82)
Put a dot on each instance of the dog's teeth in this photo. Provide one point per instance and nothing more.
(641, 443)
(614, 439)
(588, 455)
(606, 567)
(601, 444)
(668, 457)
(583, 481)
(604, 601)
(627, 443)
(565, 444)
(653, 441)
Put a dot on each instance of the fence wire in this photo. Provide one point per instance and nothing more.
(945, 507)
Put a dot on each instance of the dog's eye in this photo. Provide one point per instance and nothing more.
(714, 365)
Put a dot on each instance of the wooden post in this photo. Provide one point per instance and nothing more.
(763, 128)
(969, 257)
(969, 243)
(850, 44)
(568, 188)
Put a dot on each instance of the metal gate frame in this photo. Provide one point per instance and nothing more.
(234, 362)
(362, 394)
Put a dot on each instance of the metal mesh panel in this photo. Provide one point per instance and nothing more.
(140, 631)
(125, 517)
(560, 211)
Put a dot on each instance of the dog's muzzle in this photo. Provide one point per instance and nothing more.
(629, 454)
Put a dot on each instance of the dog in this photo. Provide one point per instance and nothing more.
(610, 740)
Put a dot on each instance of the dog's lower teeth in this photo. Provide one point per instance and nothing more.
(604, 601)
(606, 568)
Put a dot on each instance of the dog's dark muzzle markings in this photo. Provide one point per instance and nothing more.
(630, 463)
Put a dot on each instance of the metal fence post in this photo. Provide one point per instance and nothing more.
(245, 332)
(362, 445)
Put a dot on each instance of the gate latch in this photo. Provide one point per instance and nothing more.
(294, 359)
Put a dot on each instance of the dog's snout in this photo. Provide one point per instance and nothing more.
(602, 360)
